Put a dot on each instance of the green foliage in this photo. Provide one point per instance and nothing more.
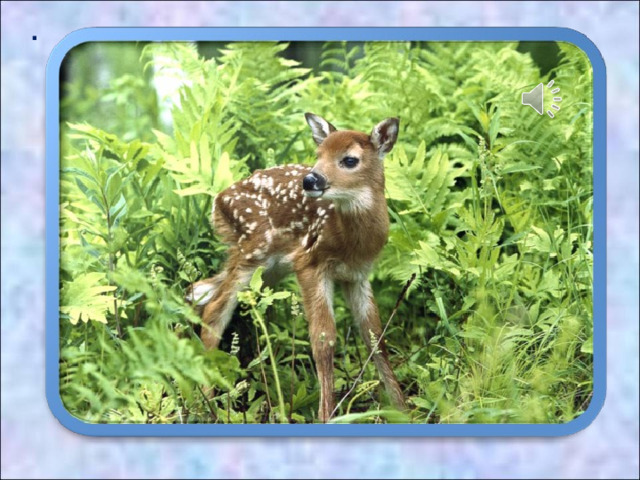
(490, 206)
(82, 298)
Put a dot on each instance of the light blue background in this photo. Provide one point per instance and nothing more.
(35, 445)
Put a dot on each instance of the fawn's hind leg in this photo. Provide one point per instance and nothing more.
(221, 292)
(201, 292)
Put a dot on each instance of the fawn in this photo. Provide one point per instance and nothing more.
(327, 224)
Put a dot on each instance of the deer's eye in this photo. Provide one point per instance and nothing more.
(349, 162)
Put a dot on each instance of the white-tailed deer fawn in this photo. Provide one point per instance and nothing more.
(327, 224)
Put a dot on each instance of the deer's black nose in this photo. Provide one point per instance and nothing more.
(314, 181)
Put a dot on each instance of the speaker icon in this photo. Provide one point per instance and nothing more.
(535, 99)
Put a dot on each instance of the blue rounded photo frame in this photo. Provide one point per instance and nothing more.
(194, 34)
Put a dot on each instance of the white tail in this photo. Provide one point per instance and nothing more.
(327, 224)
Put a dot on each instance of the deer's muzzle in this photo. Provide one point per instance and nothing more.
(314, 184)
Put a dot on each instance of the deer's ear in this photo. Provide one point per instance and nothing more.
(320, 128)
(384, 136)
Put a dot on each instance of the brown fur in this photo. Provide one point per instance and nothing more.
(267, 220)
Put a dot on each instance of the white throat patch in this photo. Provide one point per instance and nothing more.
(354, 200)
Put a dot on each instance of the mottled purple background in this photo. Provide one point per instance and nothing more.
(34, 445)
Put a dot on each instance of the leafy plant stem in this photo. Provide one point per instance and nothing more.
(258, 316)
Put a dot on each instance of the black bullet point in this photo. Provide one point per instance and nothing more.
(34, 37)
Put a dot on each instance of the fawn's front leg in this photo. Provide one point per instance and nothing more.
(365, 312)
(317, 296)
